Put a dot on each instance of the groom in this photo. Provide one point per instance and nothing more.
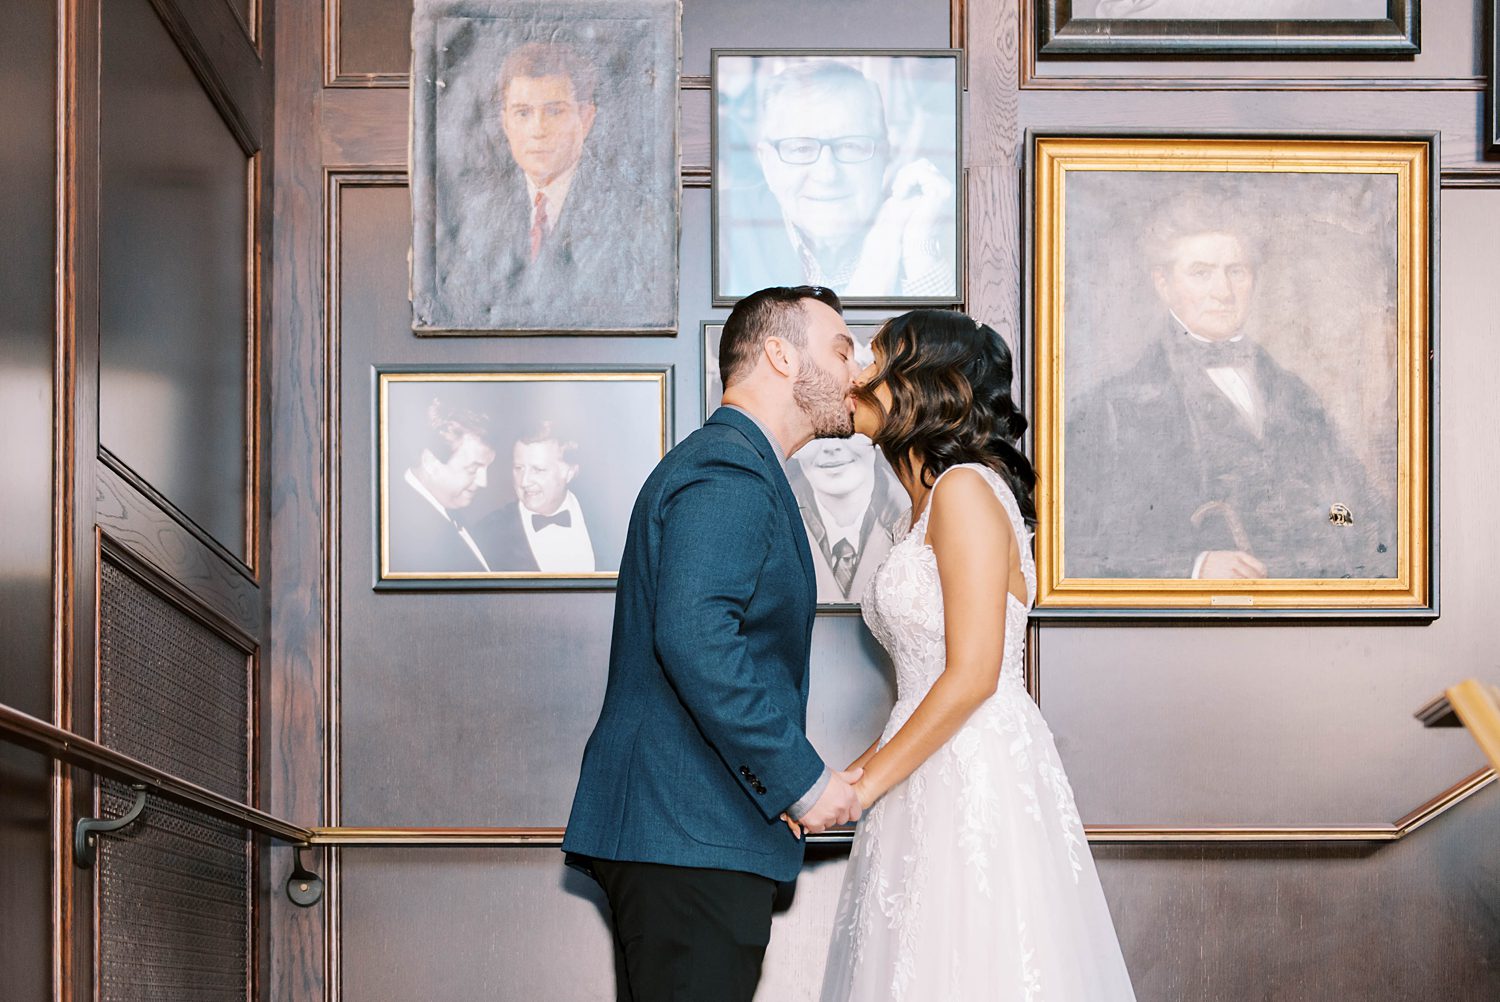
(701, 745)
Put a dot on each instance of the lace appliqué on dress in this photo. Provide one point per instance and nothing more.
(989, 818)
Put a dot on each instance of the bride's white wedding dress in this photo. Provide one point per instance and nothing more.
(972, 879)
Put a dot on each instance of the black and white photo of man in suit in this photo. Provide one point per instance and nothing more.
(544, 529)
(425, 521)
(851, 502)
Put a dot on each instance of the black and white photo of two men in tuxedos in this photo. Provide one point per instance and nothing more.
(544, 529)
(426, 526)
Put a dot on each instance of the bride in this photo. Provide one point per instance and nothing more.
(969, 877)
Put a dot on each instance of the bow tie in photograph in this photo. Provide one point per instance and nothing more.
(563, 518)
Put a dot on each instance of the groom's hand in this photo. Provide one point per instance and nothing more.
(838, 805)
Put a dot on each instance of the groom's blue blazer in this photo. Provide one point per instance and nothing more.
(701, 741)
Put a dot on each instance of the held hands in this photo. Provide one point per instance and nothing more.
(839, 804)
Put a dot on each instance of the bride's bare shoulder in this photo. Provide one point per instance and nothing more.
(964, 498)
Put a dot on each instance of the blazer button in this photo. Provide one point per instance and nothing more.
(760, 789)
(745, 771)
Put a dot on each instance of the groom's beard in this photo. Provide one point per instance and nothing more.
(817, 395)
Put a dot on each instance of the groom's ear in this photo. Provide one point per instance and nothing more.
(781, 355)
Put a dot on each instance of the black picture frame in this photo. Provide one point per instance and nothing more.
(1062, 34)
(599, 436)
(725, 186)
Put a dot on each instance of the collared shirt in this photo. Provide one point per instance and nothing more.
(553, 196)
(560, 550)
(1235, 382)
(1238, 384)
(463, 533)
(807, 800)
(833, 532)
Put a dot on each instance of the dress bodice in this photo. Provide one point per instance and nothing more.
(904, 605)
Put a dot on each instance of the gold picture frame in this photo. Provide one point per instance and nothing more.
(466, 455)
(1295, 446)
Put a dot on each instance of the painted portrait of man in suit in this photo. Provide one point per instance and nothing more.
(1223, 444)
(544, 176)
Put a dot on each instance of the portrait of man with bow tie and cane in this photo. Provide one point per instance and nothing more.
(1247, 463)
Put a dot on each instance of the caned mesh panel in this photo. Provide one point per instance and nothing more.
(175, 893)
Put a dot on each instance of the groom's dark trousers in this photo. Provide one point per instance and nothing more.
(701, 740)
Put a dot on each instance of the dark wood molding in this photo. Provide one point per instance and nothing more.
(124, 474)
(239, 631)
(302, 610)
(251, 24)
(1471, 177)
(333, 73)
(244, 123)
(77, 405)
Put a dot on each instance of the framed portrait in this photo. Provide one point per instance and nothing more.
(544, 166)
(838, 168)
(852, 504)
(1339, 28)
(515, 477)
(1234, 389)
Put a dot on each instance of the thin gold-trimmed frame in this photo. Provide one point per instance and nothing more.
(659, 376)
(1411, 159)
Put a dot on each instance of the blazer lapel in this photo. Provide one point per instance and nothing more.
(748, 428)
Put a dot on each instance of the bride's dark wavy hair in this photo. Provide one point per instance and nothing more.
(949, 377)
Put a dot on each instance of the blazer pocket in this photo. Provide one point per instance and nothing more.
(715, 811)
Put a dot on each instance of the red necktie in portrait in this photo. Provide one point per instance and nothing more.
(538, 224)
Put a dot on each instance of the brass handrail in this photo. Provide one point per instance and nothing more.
(49, 739)
(24, 729)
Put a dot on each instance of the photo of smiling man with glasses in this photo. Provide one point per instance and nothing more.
(837, 170)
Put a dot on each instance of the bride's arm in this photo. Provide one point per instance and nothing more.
(971, 536)
(864, 756)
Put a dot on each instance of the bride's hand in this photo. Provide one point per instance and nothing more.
(866, 796)
(794, 826)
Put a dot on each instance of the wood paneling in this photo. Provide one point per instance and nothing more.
(141, 527)
(302, 621)
(369, 42)
(157, 99)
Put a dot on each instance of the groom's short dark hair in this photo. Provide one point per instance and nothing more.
(773, 312)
